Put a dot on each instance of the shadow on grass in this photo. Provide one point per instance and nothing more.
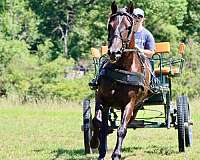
(78, 154)
(162, 150)
(152, 149)
(131, 149)
(38, 150)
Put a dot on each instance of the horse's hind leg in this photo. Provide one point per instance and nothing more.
(121, 132)
(103, 134)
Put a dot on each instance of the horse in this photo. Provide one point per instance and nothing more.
(124, 83)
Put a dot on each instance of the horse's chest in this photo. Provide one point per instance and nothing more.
(116, 94)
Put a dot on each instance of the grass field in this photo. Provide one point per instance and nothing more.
(52, 132)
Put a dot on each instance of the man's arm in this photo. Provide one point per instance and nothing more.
(149, 48)
(148, 53)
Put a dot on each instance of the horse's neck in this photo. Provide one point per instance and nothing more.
(129, 62)
(132, 40)
(136, 64)
(135, 60)
(132, 61)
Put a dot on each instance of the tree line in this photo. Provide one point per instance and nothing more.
(40, 37)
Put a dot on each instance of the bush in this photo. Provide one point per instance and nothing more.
(188, 83)
(73, 90)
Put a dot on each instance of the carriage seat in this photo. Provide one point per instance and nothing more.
(97, 53)
(161, 49)
(166, 71)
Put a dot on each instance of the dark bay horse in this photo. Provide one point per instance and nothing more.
(124, 83)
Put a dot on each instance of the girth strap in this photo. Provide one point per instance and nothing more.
(125, 77)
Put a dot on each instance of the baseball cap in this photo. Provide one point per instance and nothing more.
(138, 11)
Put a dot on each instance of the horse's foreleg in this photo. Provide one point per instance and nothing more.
(121, 132)
(96, 122)
(103, 134)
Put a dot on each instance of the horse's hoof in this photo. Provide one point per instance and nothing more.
(94, 142)
(116, 156)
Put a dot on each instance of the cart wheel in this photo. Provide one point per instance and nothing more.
(168, 107)
(180, 122)
(87, 123)
(187, 120)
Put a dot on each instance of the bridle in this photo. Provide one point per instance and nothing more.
(125, 44)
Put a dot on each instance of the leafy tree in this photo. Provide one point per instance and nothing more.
(8, 49)
(57, 17)
(191, 23)
(2, 5)
(163, 17)
(19, 22)
(188, 83)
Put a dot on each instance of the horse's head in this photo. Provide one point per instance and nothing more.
(119, 30)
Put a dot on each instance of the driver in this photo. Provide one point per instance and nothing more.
(145, 42)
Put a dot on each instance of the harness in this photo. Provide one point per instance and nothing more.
(121, 76)
(126, 77)
(117, 34)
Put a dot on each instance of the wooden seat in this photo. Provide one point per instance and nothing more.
(163, 48)
(104, 50)
(166, 71)
(97, 53)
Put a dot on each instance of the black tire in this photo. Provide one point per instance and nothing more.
(187, 120)
(168, 107)
(87, 123)
(168, 122)
(180, 122)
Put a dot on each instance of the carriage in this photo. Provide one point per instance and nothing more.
(175, 116)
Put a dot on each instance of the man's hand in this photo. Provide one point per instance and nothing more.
(140, 50)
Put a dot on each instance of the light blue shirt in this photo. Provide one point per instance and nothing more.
(144, 39)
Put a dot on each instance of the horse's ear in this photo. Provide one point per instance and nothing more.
(130, 8)
(114, 7)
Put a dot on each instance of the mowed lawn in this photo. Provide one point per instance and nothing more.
(53, 132)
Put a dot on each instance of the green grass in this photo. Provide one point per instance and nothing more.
(53, 132)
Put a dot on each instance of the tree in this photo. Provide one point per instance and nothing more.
(163, 17)
(191, 23)
(2, 5)
(57, 19)
(19, 22)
